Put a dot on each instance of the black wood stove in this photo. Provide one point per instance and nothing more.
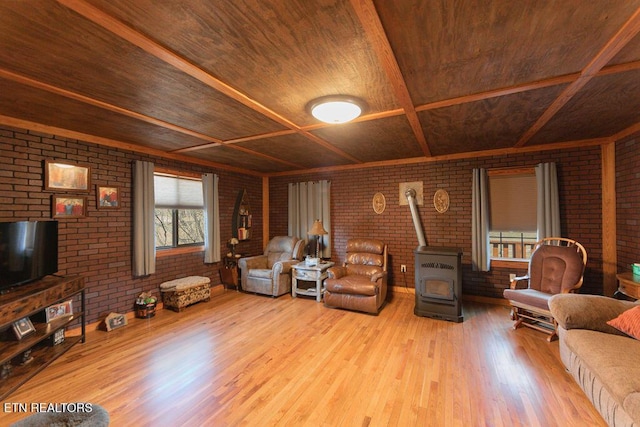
(438, 283)
(438, 275)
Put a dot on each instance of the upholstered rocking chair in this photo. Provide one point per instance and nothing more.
(556, 266)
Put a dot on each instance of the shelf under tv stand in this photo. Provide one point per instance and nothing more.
(30, 301)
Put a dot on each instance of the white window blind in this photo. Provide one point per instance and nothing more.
(178, 193)
(512, 199)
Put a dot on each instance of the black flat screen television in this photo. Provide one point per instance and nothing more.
(28, 251)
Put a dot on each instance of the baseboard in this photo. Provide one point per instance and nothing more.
(99, 325)
(485, 300)
(401, 290)
(471, 298)
(219, 289)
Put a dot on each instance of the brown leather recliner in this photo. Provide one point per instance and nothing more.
(361, 283)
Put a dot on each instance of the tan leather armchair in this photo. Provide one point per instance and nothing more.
(556, 267)
(270, 273)
(361, 282)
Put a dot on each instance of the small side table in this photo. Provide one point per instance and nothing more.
(307, 273)
(229, 272)
(628, 285)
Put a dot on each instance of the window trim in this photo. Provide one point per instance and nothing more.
(510, 263)
(160, 253)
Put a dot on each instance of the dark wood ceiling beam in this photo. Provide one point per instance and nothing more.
(106, 142)
(301, 131)
(308, 128)
(231, 144)
(236, 140)
(569, 78)
(370, 20)
(629, 30)
(619, 68)
(626, 33)
(626, 133)
(266, 156)
(104, 105)
(127, 33)
(499, 92)
(458, 156)
(363, 118)
(329, 146)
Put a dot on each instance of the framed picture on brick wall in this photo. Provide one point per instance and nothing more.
(68, 206)
(64, 176)
(108, 197)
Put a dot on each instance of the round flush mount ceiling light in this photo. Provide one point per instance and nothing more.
(336, 108)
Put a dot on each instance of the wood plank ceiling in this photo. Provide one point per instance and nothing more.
(226, 83)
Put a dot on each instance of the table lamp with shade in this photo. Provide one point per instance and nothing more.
(317, 229)
(233, 242)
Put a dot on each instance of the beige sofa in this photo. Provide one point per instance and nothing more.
(604, 361)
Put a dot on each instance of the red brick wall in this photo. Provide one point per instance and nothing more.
(99, 245)
(628, 202)
(352, 214)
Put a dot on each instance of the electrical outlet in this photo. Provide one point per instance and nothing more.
(403, 268)
(511, 277)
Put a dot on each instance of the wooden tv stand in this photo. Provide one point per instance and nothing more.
(30, 301)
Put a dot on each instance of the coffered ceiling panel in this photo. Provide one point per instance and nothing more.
(239, 159)
(375, 140)
(629, 54)
(450, 49)
(33, 105)
(283, 53)
(491, 123)
(605, 105)
(227, 83)
(297, 150)
(75, 55)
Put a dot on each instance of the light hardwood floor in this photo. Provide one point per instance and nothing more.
(244, 359)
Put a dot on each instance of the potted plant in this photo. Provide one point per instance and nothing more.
(146, 305)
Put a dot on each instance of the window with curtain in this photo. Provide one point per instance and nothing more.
(512, 213)
(308, 202)
(179, 213)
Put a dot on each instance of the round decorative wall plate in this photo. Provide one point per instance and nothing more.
(379, 203)
(441, 200)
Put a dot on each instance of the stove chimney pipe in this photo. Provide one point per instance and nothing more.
(410, 194)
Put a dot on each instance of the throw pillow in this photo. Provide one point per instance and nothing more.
(628, 322)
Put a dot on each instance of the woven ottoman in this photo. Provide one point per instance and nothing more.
(179, 293)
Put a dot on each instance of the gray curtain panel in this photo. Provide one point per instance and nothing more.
(211, 218)
(548, 207)
(144, 247)
(480, 260)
